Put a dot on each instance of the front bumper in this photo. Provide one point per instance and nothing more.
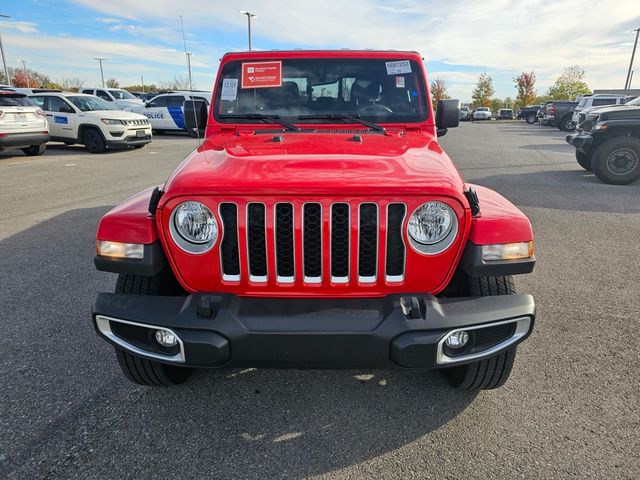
(21, 140)
(129, 138)
(579, 139)
(406, 331)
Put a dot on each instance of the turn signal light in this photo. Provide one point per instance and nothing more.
(507, 251)
(119, 250)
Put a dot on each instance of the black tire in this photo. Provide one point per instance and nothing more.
(617, 161)
(140, 370)
(35, 150)
(566, 125)
(94, 141)
(158, 131)
(492, 372)
(584, 160)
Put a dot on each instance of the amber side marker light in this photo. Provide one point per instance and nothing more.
(106, 248)
(507, 251)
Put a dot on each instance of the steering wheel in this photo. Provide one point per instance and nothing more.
(377, 108)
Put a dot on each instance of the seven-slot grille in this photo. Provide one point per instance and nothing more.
(349, 233)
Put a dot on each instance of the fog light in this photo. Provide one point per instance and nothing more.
(457, 339)
(165, 338)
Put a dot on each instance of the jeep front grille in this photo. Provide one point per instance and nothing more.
(352, 235)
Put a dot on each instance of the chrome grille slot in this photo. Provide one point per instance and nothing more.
(340, 236)
(256, 240)
(285, 257)
(368, 242)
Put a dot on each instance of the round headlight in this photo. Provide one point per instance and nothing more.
(195, 223)
(430, 223)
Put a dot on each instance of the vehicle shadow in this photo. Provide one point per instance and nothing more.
(69, 396)
(577, 190)
(560, 147)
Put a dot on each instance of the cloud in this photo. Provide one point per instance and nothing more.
(22, 27)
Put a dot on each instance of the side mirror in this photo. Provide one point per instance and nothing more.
(447, 115)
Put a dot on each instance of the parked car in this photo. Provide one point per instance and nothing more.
(529, 114)
(558, 113)
(145, 96)
(465, 113)
(118, 97)
(166, 112)
(609, 143)
(22, 124)
(595, 101)
(482, 113)
(504, 114)
(283, 241)
(90, 121)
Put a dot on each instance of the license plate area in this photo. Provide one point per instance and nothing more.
(140, 133)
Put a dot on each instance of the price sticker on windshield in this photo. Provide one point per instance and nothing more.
(398, 68)
(261, 75)
(229, 89)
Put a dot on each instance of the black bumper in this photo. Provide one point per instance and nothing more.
(227, 330)
(21, 140)
(129, 141)
(579, 139)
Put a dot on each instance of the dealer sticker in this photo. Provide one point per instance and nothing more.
(400, 82)
(229, 89)
(261, 75)
(398, 68)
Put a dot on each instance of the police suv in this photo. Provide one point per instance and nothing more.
(166, 110)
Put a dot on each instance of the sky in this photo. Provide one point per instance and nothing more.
(459, 39)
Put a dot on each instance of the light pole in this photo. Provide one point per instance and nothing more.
(187, 54)
(627, 84)
(26, 73)
(249, 17)
(4, 61)
(101, 71)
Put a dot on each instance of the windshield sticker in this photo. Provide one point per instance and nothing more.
(399, 82)
(398, 68)
(229, 89)
(61, 120)
(261, 75)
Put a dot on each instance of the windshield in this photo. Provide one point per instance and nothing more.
(89, 103)
(483, 109)
(378, 90)
(635, 101)
(122, 95)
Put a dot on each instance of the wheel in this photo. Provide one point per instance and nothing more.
(93, 141)
(158, 131)
(35, 150)
(566, 124)
(617, 161)
(491, 372)
(584, 160)
(140, 370)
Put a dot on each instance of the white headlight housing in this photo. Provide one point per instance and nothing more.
(432, 227)
(193, 227)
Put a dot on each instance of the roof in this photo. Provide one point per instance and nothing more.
(345, 52)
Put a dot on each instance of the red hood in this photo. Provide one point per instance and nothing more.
(316, 164)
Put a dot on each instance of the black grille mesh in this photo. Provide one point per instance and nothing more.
(256, 237)
(340, 240)
(229, 246)
(368, 248)
(395, 246)
(284, 239)
(312, 240)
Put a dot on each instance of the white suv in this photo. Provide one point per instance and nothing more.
(86, 119)
(22, 124)
(482, 113)
(117, 96)
(598, 100)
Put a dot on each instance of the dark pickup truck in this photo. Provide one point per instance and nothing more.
(558, 114)
(529, 114)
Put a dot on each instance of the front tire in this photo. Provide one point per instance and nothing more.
(35, 150)
(140, 370)
(584, 160)
(566, 125)
(491, 372)
(617, 161)
(94, 142)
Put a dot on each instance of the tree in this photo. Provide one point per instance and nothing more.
(73, 84)
(178, 83)
(496, 104)
(525, 84)
(438, 91)
(569, 84)
(151, 87)
(509, 103)
(112, 83)
(483, 92)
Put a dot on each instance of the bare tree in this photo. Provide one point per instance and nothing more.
(112, 83)
(178, 83)
(73, 84)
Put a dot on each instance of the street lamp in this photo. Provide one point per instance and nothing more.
(249, 17)
(4, 61)
(101, 71)
(26, 73)
(627, 84)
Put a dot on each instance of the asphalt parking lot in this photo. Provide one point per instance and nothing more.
(570, 409)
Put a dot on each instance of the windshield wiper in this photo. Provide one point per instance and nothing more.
(354, 117)
(263, 117)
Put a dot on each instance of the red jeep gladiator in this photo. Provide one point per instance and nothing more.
(319, 225)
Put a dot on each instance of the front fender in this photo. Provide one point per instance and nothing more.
(130, 221)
